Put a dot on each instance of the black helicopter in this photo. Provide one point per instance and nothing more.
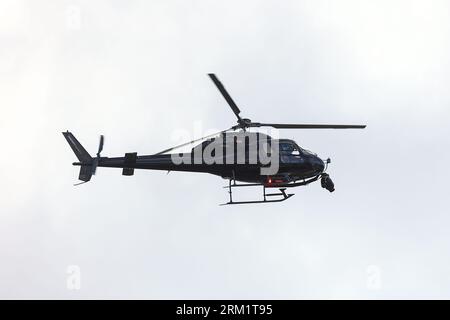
(295, 165)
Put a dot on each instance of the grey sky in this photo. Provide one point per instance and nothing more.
(135, 71)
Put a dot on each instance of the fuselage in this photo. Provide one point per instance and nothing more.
(214, 157)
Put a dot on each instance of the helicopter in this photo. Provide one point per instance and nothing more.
(237, 154)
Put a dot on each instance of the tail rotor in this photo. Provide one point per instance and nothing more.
(96, 160)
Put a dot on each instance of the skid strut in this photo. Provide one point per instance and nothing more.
(282, 194)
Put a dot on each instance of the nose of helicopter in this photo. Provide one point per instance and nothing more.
(318, 165)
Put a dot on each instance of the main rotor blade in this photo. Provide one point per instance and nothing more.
(308, 126)
(190, 142)
(225, 94)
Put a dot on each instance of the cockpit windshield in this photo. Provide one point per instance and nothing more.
(304, 151)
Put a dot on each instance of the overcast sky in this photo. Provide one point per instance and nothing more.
(135, 71)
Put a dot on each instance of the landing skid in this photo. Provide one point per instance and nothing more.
(284, 196)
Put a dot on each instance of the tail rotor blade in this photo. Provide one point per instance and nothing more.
(96, 160)
(94, 166)
(100, 145)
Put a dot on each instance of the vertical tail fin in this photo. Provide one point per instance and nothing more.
(83, 156)
(85, 173)
(77, 148)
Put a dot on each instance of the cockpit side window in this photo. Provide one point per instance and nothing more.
(289, 148)
(290, 152)
(286, 147)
